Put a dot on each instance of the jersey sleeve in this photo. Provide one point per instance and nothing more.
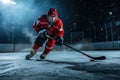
(60, 31)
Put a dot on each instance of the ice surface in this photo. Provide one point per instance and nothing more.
(60, 65)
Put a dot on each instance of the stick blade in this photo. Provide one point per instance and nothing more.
(99, 58)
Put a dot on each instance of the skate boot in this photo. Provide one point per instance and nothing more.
(32, 52)
(43, 56)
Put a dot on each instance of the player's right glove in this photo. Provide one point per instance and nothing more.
(43, 33)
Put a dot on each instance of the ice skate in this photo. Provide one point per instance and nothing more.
(43, 56)
(30, 55)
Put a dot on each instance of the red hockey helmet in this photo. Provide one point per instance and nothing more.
(52, 12)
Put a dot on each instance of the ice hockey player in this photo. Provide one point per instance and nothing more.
(51, 25)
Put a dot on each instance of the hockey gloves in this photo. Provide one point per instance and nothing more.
(59, 41)
(43, 33)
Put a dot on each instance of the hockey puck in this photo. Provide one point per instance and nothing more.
(92, 60)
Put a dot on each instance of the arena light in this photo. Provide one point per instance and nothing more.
(8, 2)
(5, 1)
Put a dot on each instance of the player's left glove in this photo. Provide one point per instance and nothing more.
(59, 41)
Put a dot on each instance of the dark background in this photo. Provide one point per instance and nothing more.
(91, 20)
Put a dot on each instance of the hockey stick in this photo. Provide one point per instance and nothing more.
(93, 58)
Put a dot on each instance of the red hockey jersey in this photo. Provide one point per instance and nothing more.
(54, 29)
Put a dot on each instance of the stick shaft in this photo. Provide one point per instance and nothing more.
(77, 50)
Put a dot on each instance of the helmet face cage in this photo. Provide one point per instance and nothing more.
(52, 19)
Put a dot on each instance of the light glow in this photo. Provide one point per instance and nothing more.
(8, 2)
